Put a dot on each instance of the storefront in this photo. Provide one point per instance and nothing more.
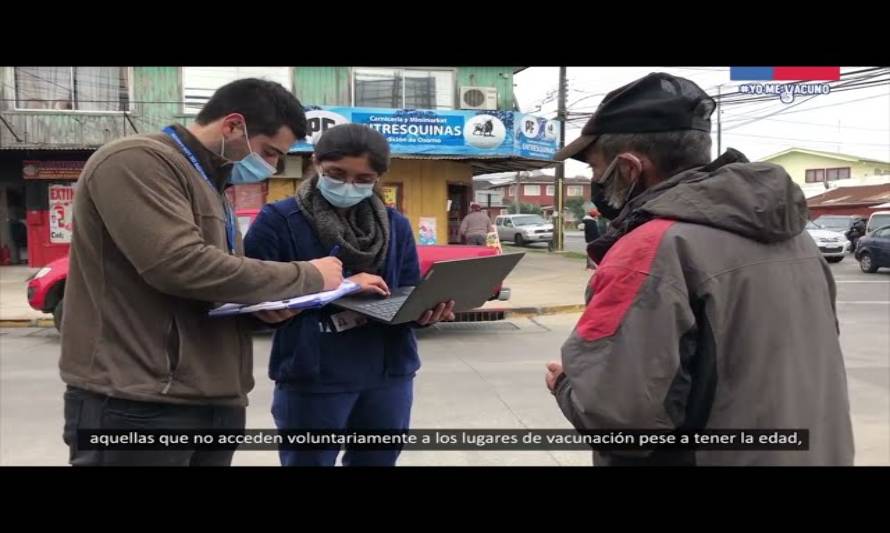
(13, 230)
(50, 186)
(252, 197)
(436, 153)
(37, 204)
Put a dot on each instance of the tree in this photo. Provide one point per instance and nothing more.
(525, 209)
(575, 205)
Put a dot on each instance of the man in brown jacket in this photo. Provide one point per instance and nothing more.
(154, 247)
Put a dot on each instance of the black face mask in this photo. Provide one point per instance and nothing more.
(598, 197)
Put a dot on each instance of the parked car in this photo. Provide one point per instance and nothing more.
(47, 287)
(833, 245)
(524, 229)
(873, 250)
(838, 223)
(878, 219)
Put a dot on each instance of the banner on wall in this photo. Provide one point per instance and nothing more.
(52, 170)
(443, 132)
(61, 213)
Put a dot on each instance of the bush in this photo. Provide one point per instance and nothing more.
(524, 209)
(575, 205)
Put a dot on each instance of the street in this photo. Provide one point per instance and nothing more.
(480, 375)
(574, 242)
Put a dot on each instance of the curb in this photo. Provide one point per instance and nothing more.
(27, 323)
(568, 254)
(545, 310)
(508, 312)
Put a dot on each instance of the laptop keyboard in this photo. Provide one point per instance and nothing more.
(385, 309)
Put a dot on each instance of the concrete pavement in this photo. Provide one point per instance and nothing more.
(481, 375)
(544, 283)
(541, 283)
(14, 308)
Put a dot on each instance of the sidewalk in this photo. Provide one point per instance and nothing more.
(542, 283)
(14, 308)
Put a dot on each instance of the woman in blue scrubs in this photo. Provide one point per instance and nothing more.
(334, 369)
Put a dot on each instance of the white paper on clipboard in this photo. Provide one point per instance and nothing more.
(310, 301)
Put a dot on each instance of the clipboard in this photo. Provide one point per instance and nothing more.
(310, 301)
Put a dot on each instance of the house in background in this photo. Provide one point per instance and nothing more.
(862, 200)
(816, 171)
(535, 188)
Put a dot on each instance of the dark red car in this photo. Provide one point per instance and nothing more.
(47, 287)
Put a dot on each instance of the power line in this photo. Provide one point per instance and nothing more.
(751, 121)
(772, 97)
(593, 95)
(844, 85)
(845, 77)
(852, 79)
(840, 103)
(785, 108)
(817, 124)
(550, 95)
(783, 111)
(741, 117)
(823, 141)
(755, 109)
(835, 86)
(855, 80)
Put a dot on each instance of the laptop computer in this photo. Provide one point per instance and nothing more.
(469, 282)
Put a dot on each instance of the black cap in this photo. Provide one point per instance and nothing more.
(657, 102)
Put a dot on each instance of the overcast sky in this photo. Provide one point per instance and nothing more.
(853, 122)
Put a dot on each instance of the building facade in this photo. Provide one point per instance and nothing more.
(538, 189)
(53, 118)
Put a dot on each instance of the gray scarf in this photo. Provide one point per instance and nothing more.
(361, 232)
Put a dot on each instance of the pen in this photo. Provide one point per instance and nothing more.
(334, 251)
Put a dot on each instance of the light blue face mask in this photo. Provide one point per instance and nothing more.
(251, 169)
(342, 194)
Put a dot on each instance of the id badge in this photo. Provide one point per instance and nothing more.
(348, 320)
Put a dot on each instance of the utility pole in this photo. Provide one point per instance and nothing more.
(719, 129)
(516, 187)
(558, 225)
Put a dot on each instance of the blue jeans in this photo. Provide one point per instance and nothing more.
(383, 408)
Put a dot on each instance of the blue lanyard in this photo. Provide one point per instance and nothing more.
(230, 220)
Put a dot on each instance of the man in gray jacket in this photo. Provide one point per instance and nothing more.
(712, 308)
(475, 227)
